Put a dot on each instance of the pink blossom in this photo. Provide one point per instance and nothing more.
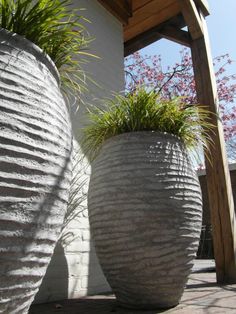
(178, 80)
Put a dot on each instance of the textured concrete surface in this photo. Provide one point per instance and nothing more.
(35, 170)
(202, 295)
(145, 213)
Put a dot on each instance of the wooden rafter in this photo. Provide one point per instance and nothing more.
(156, 33)
(142, 16)
(122, 9)
(177, 35)
(150, 15)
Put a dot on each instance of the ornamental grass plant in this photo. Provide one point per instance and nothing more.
(57, 29)
(146, 111)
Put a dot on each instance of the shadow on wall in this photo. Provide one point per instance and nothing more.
(74, 270)
(97, 282)
(55, 282)
(87, 278)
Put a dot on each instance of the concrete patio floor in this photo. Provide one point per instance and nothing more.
(202, 295)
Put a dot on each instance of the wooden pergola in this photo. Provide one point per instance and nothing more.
(146, 21)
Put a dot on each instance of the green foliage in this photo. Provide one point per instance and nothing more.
(56, 29)
(145, 111)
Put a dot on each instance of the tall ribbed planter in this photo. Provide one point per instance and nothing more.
(145, 215)
(35, 145)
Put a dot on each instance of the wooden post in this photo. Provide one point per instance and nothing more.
(217, 172)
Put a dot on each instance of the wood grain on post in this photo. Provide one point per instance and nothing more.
(217, 172)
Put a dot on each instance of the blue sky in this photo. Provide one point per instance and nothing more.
(221, 26)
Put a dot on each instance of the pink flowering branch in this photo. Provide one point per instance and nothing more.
(178, 80)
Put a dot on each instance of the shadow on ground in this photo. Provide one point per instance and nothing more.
(202, 295)
(90, 305)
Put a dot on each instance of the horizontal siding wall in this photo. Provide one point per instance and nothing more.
(74, 270)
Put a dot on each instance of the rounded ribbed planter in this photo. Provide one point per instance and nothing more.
(145, 213)
(35, 145)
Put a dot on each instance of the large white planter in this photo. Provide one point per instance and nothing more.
(145, 214)
(35, 145)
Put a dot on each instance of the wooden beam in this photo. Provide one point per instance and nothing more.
(137, 4)
(192, 18)
(204, 6)
(217, 172)
(152, 14)
(122, 9)
(177, 35)
(152, 35)
(140, 41)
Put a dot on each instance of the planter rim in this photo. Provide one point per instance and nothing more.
(145, 133)
(30, 47)
(133, 134)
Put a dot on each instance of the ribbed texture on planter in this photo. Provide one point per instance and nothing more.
(145, 215)
(35, 144)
